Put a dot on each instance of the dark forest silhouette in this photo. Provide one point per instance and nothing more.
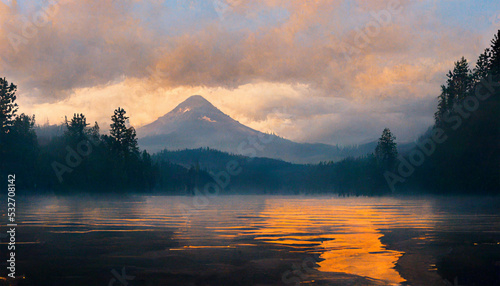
(459, 154)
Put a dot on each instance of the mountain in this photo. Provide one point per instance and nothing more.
(197, 123)
(193, 123)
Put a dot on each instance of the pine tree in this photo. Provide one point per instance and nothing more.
(460, 83)
(8, 107)
(93, 133)
(124, 139)
(442, 107)
(18, 141)
(482, 68)
(24, 149)
(495, 54)
(131, 141)
(386, 151)
(76, 129)
(24, 127)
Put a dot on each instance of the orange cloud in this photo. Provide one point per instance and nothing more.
(105, 53)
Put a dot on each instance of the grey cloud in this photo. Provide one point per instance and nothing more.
(390, 81)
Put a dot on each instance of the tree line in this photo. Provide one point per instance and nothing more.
(81, 159)
(468, 158)
(459, 153)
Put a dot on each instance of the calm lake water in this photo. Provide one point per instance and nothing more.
(257, 240)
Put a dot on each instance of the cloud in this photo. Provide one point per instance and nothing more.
(81, 44)
(349, 67)
(270, 107)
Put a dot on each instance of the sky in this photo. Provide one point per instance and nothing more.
(329, 71)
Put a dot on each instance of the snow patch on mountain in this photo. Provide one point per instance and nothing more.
(206, 118)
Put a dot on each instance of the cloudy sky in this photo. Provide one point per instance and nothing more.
(331, 71)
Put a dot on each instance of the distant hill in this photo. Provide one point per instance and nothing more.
(196, 123)
(256, 175)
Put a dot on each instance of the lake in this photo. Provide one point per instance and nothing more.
(256, 240)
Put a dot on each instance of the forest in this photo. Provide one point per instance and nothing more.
(458, 154)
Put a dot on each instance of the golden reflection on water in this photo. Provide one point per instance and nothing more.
(347, 236)
(361, 253)
(345, 232)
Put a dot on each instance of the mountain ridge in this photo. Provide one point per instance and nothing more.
(196, 123)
